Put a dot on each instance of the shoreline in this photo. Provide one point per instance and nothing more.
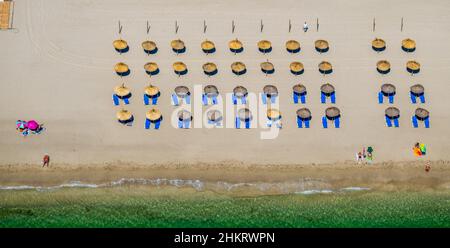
(250, 178)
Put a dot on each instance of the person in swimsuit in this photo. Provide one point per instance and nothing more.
(46, 160)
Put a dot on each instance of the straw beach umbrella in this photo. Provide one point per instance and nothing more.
(299, 89)
(151, 68)
(304, 114)
(153, 115)
(152, 91)
(244, 114)
(378, 45)
(149, 47)
(182, 91)
(293, 46)
(238, 68)
(236, 46)
(325, 67)
(240, 91)
(388, 89)
(421, 114)
(413, 67)
(332, 113)
(184, 115)
(265, 46)
(297, 68)
(214, 116)
(408, 45)
(270, 90)
(211, 91)
(122, 69)
(180, 68)
(327, 89)
(392, 113)
(121, 46)
(124, 116)
(417, 90)
(383, 66)
(321, 46)
(267, 67)
(273, 114)
(178, 46)
(210, 69)
(208, 47)
(122, 91)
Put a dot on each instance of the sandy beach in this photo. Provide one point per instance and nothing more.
(57, 67)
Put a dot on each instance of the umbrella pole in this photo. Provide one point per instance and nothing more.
(401, 26)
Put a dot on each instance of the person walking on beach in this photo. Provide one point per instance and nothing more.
(427, 167)
(46, 160)
(305, 27)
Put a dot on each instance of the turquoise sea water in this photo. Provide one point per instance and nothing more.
(143, 206)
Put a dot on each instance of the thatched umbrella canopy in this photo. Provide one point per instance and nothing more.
(182, 91)
(270, 90)
(332, 113)
(120, 46)
(153, 115)
(392, 113)
(209, 69)
(236, 46)
(297, 68)
(388, 89)
(327, 89)
(322, 46)
(417, 90)
(383, 66)
(304, 114)
(184, 115)
(122, 69)
(408, 45)
(179, 68)
(214, 115)
(151, 91)
(240, 91)
(122, 91)
(208, 47)
(413, 66)
(267, 67)
(151, 68)
(378, 45)
(178, 46)
(325, 67)
(123, 116)
(421, 113)
(244, 114)
(273, 114)
(293, 46)
(211, 91)
(265, 46)
(238, 68)
(299, 89)
(149, 47)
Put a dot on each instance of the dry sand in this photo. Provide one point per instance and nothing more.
(57, 67)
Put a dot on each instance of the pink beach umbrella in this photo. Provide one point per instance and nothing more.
(33, 125)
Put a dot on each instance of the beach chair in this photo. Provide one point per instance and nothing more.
(238, 123)
(206, 100)
(148, 124)
(422, 98)
(175, 101)
(427, 122)
(277, 123)
(380, 97)
(126, 100)
(415, 122)
(296, 97)
(391, 99)
(300, 123)
(147, 100)
(184, 124)
(337, 122)
(323, 97)
(235, 99)
(324, 122)
(396, 124)
(264, 99)
(116, 99)
(388, 121)
(413, 98)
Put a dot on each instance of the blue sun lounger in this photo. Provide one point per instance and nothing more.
(300, 123)
(206, 102)
(148, 124)
(235, 99)
(323, 97)
(381, 98)
(273, 99)
(302, 97)
(337, 122)
(184, 124)
(116, 100)
(176, 99)
(147, 100)
(238, 123)
(414, 98)
(415, 122)
(390, 121)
